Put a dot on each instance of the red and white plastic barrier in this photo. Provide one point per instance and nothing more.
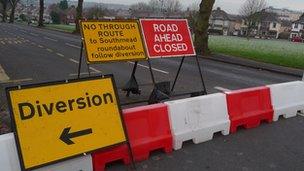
(167, 126)
(248, 107)
(198, 118)
(148, 129)
(9, 160)
(287, 99)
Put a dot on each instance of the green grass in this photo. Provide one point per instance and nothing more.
(278, 52)
(61, 27)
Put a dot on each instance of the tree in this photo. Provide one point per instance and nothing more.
(95, 12)
(172, 6)
(251, 13)
(63, 5)
(22, 17)
(13, 5)
(55, 17)
(201, 27)
(41, 12)
(4, 4)
(165, 7)
(192, 14)
(141, 7)
(78, 15)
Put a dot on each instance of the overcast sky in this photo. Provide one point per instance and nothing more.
(231, 6)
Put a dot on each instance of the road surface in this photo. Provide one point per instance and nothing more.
(32, 55)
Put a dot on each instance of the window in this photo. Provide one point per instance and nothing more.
(296, 25)
(274, 25)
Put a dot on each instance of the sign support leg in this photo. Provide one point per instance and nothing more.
(151, 72)
(160, 91)
(204, 92)
(177, 74)
(132, 85)
(80, 60)
(89, 70)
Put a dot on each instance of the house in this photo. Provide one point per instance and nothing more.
(269, 25)
(235, 25)
(222, 23)
(265, 25)
(71, 15)
(219, 22)
(284, 14)
(298, 28)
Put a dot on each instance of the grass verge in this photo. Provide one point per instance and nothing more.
(61, 27)
(278, 52)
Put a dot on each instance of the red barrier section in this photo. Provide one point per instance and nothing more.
(148, 129)
(101, 158)
(248, 107)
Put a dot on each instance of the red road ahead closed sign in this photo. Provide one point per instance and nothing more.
(167, 37)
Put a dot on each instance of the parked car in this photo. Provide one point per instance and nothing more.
(297, 39)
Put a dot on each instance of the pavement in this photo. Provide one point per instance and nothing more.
(32, 55)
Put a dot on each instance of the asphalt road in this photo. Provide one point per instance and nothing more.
(32, 55)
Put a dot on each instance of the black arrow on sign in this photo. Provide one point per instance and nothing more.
(66, 135)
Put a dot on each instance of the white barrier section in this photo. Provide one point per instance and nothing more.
(198, 118)
(83, 163)
(287, 99)
(9, 160)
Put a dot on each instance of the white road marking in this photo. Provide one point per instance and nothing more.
(73, 60)
(33, 34)
(50, 50)
(301, 113)
(16, 81)
(59, 54)
(155, 69)
(54, 40)
(74, 46)
(222, 89)
(95, 70)
(3, 75)
(91, 68)
(40, 46)
(84, 73)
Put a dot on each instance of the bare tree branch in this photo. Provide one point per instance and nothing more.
(251, 13)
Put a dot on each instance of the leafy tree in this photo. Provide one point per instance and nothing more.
(23, 17)
(55, 17)
(63, 5)
(95, 12)
(201, 27)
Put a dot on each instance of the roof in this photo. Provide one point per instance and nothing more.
(235, 17)
(269, 17)
(264, 16)
(219, 14)
(300, 20)
(286, 23)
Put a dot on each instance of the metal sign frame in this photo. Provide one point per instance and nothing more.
(28, 86)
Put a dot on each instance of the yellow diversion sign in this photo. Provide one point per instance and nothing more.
(112, 41)
(56, 121)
